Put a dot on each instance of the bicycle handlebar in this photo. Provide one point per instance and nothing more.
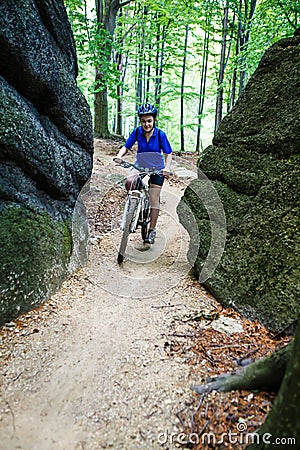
(145, 170)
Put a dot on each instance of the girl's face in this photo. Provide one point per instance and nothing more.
(147, 123)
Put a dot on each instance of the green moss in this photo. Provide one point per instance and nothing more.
(259, 272)
(35, 252)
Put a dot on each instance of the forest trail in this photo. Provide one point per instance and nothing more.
(94, 367)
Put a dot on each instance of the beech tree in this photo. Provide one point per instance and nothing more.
(106, 23)
(182, 88)
(223, 63)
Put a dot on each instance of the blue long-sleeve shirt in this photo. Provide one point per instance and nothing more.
(150, 154)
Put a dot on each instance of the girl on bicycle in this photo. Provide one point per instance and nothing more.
(154, 151)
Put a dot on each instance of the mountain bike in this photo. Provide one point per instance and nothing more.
(137, 207)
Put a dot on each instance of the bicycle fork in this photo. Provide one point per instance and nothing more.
(137, 195)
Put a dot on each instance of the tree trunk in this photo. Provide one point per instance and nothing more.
(244, 36)
(219, 104)
(119, 128)
(119, 89)
(234, 76)
(157, 55)
(139, 81)
(182, 89)
(160, 53)
(202, 88)
(106, 17)
(101, 112)
(148, 76)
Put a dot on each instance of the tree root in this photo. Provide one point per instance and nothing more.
(266, 373)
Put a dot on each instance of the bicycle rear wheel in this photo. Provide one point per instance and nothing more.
(129, 218)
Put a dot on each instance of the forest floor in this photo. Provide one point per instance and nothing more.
(109, 361)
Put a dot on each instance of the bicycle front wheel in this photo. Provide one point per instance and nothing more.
(146, 220)
(127, 228)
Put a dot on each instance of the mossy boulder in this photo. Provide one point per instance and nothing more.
(36, 252)
(46, 147)
(253, 165)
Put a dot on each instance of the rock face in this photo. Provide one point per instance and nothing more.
(253, 164)
(46, 148)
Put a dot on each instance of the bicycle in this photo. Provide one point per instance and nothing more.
(137, 207)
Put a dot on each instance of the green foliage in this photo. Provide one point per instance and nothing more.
(150, 34)
(94, 46)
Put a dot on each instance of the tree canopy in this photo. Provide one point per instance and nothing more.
(192, 59)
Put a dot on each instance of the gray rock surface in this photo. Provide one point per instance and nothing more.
(253, 164)
(46, 148)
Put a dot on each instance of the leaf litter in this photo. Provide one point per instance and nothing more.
(223, 420)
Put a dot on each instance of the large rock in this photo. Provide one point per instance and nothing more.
(46, 147)
(254, 166)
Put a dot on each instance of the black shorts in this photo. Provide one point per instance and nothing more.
(157, 179)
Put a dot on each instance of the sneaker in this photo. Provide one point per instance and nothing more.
(151, 237)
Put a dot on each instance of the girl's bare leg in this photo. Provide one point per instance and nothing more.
(154, 204)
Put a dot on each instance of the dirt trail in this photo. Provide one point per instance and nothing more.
(93, 368)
